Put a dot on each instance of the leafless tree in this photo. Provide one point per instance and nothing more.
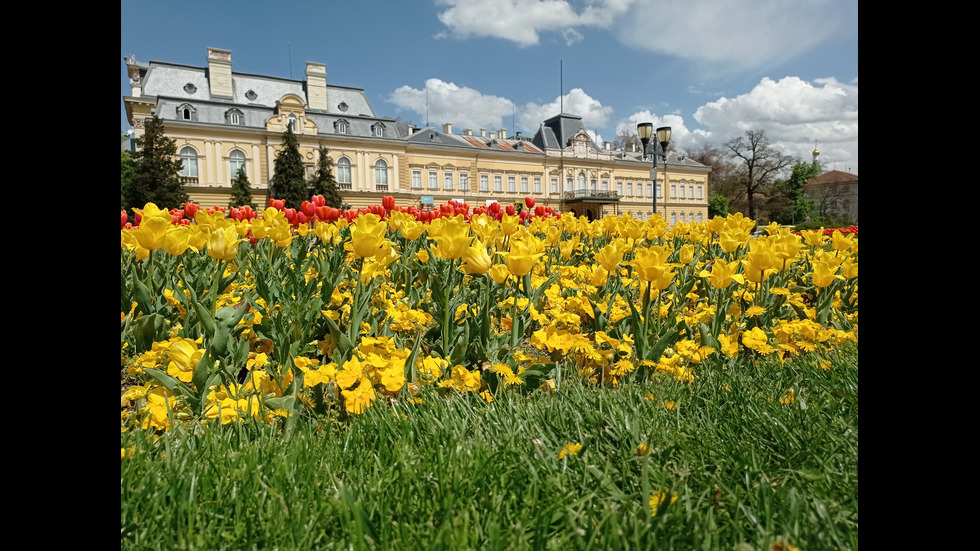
(757, 164)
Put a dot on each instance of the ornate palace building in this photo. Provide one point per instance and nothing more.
(223, 120)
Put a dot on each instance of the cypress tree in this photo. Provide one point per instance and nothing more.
(241, 190)
(289, 180)
(323, 182)
(156, 170)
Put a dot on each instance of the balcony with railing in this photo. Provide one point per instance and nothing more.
(380, 187)
(345, 187)
(593, 195)
(189, 180)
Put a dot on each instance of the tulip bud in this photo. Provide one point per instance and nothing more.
(190, 210)
(511, 210)
(529, 201)
(539, 211)
(388, 202)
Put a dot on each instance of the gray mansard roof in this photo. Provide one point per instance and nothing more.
(255, 96)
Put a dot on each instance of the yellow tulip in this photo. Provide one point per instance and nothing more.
(453, 238)
(499, 273)
(152, 232)
(177, 240)
(367, 235)
(476, 260)
(722, 274)
(223, 243)
(609, 257)
(520, 259)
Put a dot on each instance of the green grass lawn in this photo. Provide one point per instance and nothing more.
(749, 471)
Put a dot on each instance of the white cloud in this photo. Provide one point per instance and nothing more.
(522, 21)
(720, 37)
(795, 115)
(576, 102)
(680, 136)
(463, 107)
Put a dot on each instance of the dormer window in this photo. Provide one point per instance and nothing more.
(341, 127)
(234, 116)
(378, 130)
(291, 122)
(186, 112)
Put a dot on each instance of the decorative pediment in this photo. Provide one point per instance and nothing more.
(291, 103)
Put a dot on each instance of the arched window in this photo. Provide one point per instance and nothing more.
(237, 161)
(342, 126)
(188, 158)
(581, 181)
(381, 175)
(343, 173)
(379, 130)
(291, 122)
(186, 112)
(234, 116)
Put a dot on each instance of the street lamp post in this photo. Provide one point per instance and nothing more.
(645, 131)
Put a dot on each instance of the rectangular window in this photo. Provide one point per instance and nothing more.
(433, 180)
(639, 189)
(498, 182)
(649, 190)
(619, 188)
(660, 191)
(699, 217)
(464, 181)
(673, 219)
(416, 179)
(448, 181)
(683, 217)
(554, 185)
(537, 184)
(484, 182)
(524, 184)
(511, 183)
(629, 189)
(691, 194)
(682, 193)
(673, 191)
(605, 185)
(699, 193)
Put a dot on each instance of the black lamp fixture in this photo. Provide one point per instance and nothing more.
(645, 131)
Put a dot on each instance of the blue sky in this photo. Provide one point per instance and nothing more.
(710, 69)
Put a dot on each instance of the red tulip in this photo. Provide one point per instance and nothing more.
(539, 211)
(388, 202)
(124, 217)
(290, 214)
(318, 200)
(511, 209)
(190, 210)
(529, 201)
(308, 208)
(278, 204)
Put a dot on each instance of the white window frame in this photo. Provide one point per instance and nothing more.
(464, 181)
(683, 193)
(188, 158)
(380, 175)
(416, 179)
(498, 183)
(554, 185)
(512, 184)
(447, 180)
(673, 191)
(433, 180)
(537, 184)
(344, 172)
(524, 188)
(236, 158)
(484, 182)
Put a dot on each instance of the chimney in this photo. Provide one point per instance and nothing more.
(411, 129)
(606, 145)
(467, 132)
(517, 135)
(483, 132)
(316, 85)
(502, 134)
(447, 128)
(219, 73)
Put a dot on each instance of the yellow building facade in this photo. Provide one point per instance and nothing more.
(222, 120)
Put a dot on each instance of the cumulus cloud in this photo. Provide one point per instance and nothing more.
(522, 21)
(462, 106)
(575, 102)
(795, 115)
(680, 135)
(720, 37)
